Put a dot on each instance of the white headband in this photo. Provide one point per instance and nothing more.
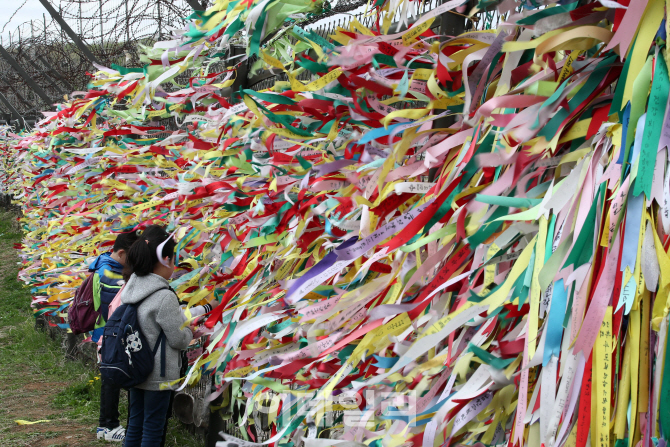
(159, 251)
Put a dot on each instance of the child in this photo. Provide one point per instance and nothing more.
(195, 311)
(149, 265)
(107, 281)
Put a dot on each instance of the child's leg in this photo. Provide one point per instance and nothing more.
(135, 418)
(156, 405)
(102, 422)
(167, 419)
(113, 405)
(109, 405)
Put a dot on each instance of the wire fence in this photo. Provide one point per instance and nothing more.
(113, 30)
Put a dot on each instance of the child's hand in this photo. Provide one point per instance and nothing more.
(197, 331)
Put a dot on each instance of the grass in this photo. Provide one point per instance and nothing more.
(37, 382)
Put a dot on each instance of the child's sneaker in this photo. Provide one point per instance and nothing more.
(117, 434)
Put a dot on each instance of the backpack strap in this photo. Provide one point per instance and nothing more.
(162, 339)
(162, 343)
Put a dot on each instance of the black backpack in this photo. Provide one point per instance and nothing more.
(126, 358)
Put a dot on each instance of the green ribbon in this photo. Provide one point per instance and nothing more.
(652, 128)
(583, 248)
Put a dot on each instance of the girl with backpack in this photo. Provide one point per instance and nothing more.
(149, 266)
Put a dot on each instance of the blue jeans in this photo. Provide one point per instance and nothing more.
(147, 415)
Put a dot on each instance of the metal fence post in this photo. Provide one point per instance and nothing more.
(56, 73)
(160, 20)
(65, 27)
(195, 5)
(16, 93)
(216, 423)
(31, 83)
(48, 76)
(127, 21)
(451, 25)
(242, 72)
(102, 31)
(71, 343)
(11, 107)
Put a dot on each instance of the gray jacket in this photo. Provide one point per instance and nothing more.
(159, 309)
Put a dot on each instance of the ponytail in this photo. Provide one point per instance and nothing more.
(142, 258)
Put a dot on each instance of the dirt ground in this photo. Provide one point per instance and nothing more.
(36, 382)
(29, 399)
